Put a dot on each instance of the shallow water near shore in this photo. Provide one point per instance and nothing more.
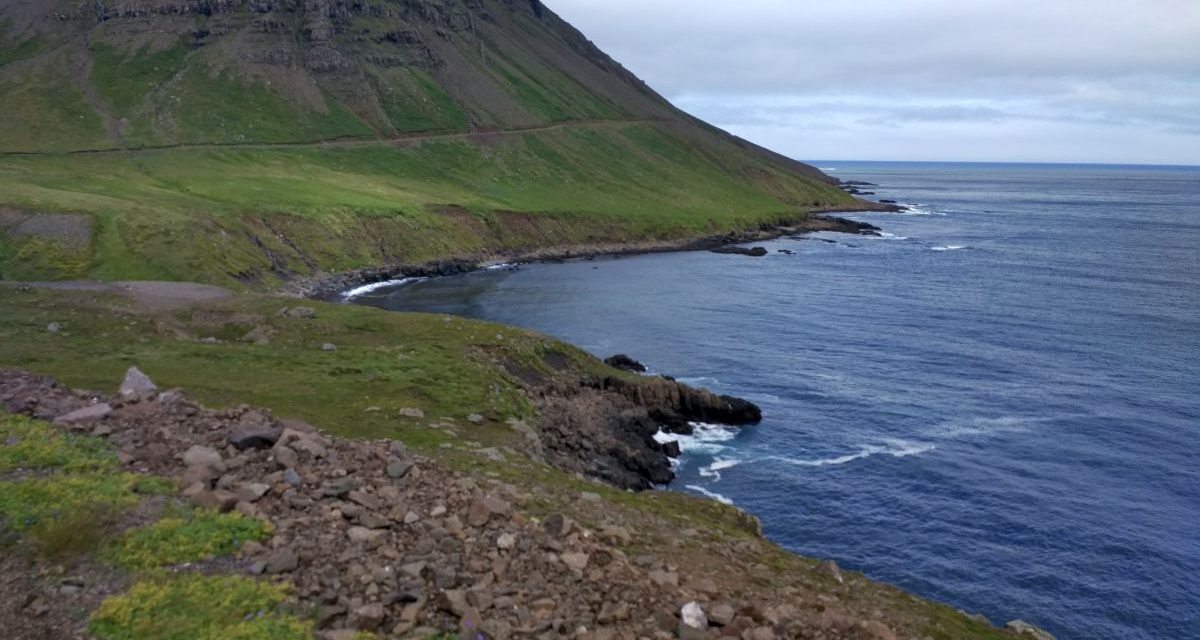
(996, 404)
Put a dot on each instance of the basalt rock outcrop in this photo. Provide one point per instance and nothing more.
(605, 427)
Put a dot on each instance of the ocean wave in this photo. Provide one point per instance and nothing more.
(375, 286)
(497, 267)
(884, 235)
(951, 247)
(917, 210)
(705, 439)
(894, 448)
(711, 494)
(714, 470)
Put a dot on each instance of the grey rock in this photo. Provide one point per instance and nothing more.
(557, 525)
(722, 614)
(292, 478)
(54, 327)
(255, 437)
(409, 412)
(692, 615)
(137, 385)
(397, 469)
(85, 415)
(363, 535)
(575, 561)
(252, 491)
(201, 456)
(475, 418)
(1026, 629)
(329, 346)
(506, 541)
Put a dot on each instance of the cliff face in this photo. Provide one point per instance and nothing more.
(341, 67)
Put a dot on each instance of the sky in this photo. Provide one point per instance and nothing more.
(1109, 81)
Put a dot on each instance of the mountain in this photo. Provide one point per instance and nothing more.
(256, 141)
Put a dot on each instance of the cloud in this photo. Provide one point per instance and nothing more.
(1128, 69)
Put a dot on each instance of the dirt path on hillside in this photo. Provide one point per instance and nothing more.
(149, 296)
(349, 143)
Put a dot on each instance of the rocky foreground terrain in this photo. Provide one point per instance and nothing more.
(373, 538)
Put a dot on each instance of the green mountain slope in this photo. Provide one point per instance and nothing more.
(259, 140)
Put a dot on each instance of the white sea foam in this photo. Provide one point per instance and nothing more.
(951, 247)
(883, 235)
(724, 463)
(968, 427)
(711, 494)
(705, 439)
(375, 286)
(497, 267)
(893, 448)
(917, 210)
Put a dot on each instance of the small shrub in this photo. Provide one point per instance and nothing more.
(189, 606)
(73, 534)
(194, 536)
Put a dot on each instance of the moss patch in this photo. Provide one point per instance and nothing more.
(193, 536)
(194, 607)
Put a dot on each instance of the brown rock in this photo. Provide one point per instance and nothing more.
(370, 617)
(252, 491)
(282, 561)
(878, 631)
(478, 513)
(721, 614)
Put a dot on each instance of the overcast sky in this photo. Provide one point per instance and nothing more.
(999, 80)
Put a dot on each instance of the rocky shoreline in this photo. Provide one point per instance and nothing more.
(371, 537)
(331, 287)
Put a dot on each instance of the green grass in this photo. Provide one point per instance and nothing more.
(414, 102)
(192, 536)
(211, 107)
(188, 606)
(47, 116)
(125, 79)
(195, 214)
(26, 443)
(385, 360)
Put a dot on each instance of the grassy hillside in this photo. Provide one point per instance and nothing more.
(226, 143)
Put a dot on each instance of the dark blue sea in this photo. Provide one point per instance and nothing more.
(996, 405)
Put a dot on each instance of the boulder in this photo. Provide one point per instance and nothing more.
(255, 436)
(201, 456)
(409, 412)
(625, 363)
(137, 385)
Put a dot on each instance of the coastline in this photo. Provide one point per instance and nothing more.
(331, 287)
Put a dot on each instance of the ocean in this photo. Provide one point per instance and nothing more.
(995, 405)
